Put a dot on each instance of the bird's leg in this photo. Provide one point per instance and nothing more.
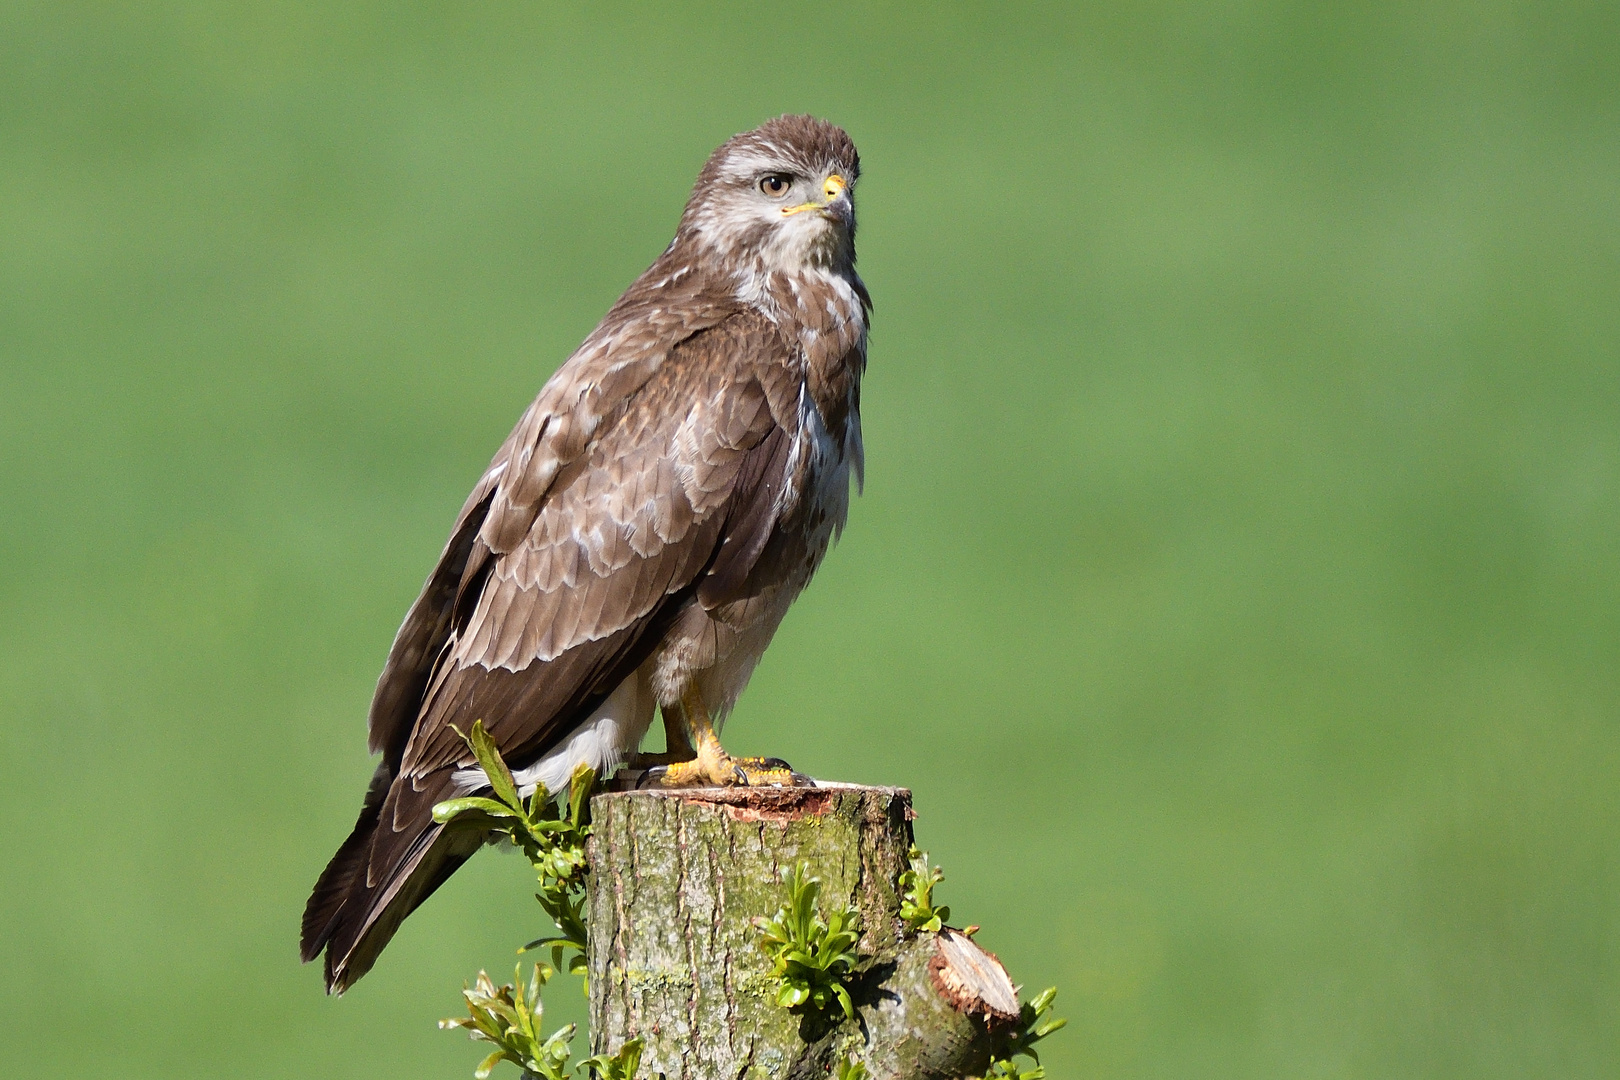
(711, 766)
(677, 746)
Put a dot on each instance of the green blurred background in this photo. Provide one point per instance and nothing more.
(1237, 583)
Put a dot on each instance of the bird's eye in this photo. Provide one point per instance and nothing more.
(776, 185)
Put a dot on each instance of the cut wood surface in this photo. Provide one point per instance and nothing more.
(677, 880)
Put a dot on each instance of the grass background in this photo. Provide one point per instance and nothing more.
(1237, 583)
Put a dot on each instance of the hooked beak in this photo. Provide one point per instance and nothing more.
(835, 203)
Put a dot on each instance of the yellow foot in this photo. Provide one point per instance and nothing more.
(716, 768)
(706, 763)
(771, 772)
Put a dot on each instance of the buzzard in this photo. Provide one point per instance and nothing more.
(637, 538)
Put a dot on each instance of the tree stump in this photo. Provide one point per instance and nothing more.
(677, 879)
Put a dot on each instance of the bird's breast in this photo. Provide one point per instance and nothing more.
(824, 456)
(822, 313)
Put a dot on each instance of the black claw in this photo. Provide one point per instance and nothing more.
(652, 777)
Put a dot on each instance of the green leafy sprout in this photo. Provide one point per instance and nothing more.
(917, 894)
(621, 1065)
(1033, 1026)
(552, 837)
(509, 1017)
(850, 1069)
(554, 845)
(812, 959)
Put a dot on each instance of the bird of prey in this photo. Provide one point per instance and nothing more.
(639, 536)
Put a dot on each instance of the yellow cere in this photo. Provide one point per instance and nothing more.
(834, 186)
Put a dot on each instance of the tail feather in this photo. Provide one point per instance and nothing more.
(333, 888)
(380, 874)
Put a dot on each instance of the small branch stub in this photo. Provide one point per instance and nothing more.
(678, 882)
(973, 980)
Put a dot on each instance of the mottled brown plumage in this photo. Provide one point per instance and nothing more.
(638, 537)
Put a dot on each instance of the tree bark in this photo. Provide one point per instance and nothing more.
(676, 880)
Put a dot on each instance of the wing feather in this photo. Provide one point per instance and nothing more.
(629, 346)
(581, 578)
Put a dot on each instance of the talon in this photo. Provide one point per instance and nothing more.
(776, 777)
(772, 772)
(774, 763)
(652, 777)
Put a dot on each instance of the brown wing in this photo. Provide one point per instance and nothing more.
(550, 594)
(663, 309)
(563, 614)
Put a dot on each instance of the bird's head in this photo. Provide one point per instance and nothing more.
(783, 194)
